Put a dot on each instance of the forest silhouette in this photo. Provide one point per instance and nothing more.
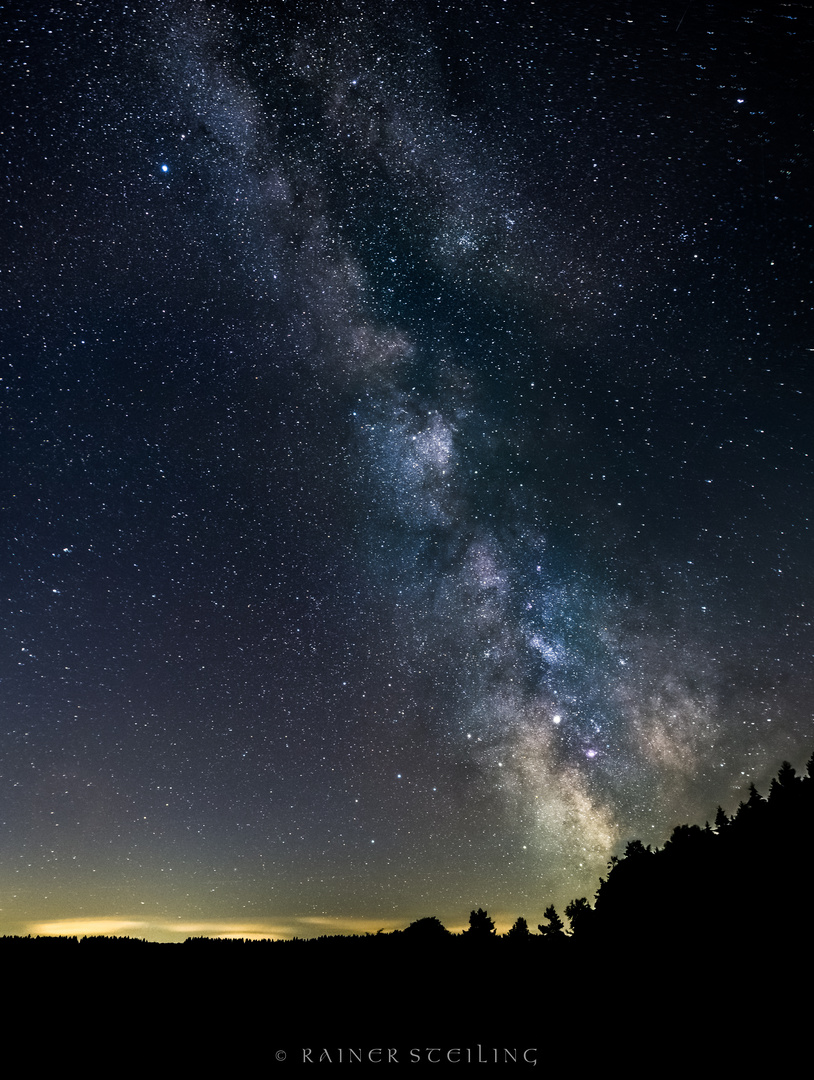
(718, 916)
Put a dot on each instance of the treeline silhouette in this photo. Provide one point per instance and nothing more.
(696, 948)
(744, 881)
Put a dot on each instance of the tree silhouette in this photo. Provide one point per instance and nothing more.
(520, 931)
(581, 915)
(635, 849)
(426, 930)
(481, 927)
(683, 835)
(555, 924)
(783, 790)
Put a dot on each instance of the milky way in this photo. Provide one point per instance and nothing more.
(408, 415)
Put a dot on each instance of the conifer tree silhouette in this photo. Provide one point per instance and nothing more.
(555, 924)
(520, 931)
(481, 927)
(580, 914)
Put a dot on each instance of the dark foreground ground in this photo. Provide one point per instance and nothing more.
(237, 1010)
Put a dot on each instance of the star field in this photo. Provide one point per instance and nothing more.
(407, 413)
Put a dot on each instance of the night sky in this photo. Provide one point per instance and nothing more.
(407, 423)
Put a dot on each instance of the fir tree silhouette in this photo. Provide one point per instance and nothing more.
(519, 932)
(481, 927)
(555, 926)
